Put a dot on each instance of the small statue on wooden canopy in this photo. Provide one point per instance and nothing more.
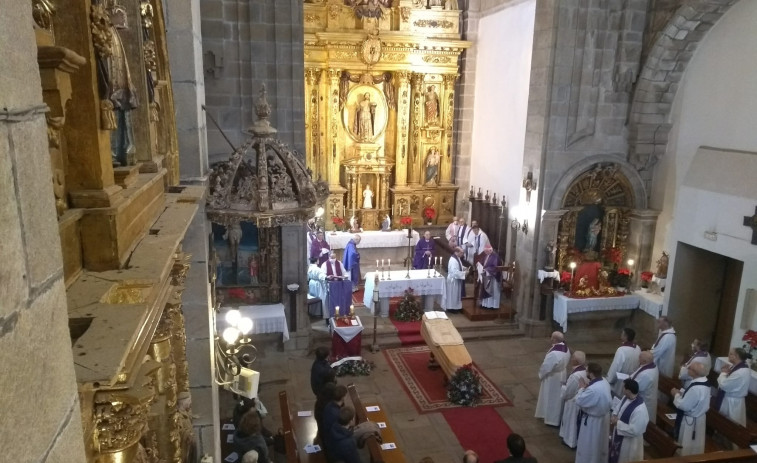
(662, 266)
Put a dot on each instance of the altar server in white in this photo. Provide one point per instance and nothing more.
(664, 349)
(568, 428)
(552, 375)
(692, 404)
(595, 401)
(626, 360)
(451, 299)
(647, 376)
(451, 233)
(475, 242)
(699, 354)
(630, 421)
(733, 386)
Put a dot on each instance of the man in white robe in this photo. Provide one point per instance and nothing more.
(462, 232)
(317, 286)
(552, 375)
(647, 376)
(568, 425)
(692, 404)
(664, 349)
(475, 242)
(594, 398)
(733, 386)
(452, 297)
(451, 233)
(699, 354)
(626, 361)
(630, 421)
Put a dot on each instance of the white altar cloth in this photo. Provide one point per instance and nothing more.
(543, 275)
(372, 239)
(347, 333)
(720, 362)
(265, 319)
(419, 281)
(565, 305)
(650, 303)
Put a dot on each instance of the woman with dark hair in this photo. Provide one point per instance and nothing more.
(248, 436)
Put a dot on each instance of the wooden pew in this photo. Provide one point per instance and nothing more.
(299, 431)
(727, 456)
(661, 444)
(387, 434)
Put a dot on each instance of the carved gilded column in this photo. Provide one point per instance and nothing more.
(333, 135)
(312, 119)
(416, 157)
(402, 152)
(448, 115)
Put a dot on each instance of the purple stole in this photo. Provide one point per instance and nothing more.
(700, 354)
(660, 337)
(330, 269)
(578, 368)
(617, 439)
(559, 347)
(629, 344)
(679, 413)
(648, 366)
(721, 393)
(581, 414)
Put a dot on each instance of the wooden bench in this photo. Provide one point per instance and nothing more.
(726, 456)
(299, 431)
(378, 455)
(661, 444)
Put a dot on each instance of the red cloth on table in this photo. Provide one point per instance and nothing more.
(340, 348)
(591, 271)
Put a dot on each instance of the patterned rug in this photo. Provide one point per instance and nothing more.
(427, 387)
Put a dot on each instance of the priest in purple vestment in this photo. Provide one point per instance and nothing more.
(424, 252)
(319, 249)
(352, 261)
(340, 289)
(491, 279)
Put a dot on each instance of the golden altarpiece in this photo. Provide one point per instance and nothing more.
(114, 155)
(380, 91)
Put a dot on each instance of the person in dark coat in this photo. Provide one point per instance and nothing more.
(320, 371)
(341, 443)
(326, 396)
(248, 436)
(517, 447)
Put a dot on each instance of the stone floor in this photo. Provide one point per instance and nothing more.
(511, 362)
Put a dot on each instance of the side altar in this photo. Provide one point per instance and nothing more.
(376, 245)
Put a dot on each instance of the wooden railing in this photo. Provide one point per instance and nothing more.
(378, 455)
(299, 431)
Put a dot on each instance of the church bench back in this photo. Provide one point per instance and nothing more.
(661, 445)
(727, 456)
(387, 434)
(298, 432)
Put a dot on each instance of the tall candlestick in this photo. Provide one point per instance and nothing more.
(390, 264)
(382, 263)
(377, 263)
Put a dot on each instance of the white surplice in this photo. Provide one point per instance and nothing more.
(683, 374)
(594, 429)
(552, 374)
(455, 280)
(477, 242)
(664, 352)
(694, 404)
(568, 426)
(317, 286)
(626, 361)
(632, 448)
(451, 233)
(648, 380)
(736, 387)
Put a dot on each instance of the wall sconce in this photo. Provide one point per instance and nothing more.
(234, 352)
(529, 184)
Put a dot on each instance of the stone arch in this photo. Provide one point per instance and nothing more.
(658, 81)
(631, 174)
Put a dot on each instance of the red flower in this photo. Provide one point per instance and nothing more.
(337, 220)
(751, 338)
(565, 278)
(614, 255)
(429, 213)
(406, 221)
(624, 271)
(647, 276)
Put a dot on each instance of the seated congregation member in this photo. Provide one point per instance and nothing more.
(626, 360)
(452, 298)
(552, 374)
(568, 424)
(692, 405)
(341, 443)
(630, 421)
(733, 386)
(321, 370)
(248, 436)
(698, 354)
(517, 447)
(647, 377)
(424, 252)
(491, 279)
(470, 457)
(594, 399)
(664, 348)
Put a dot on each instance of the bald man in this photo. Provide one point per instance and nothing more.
(647, 377)
(568, 428)
(664, 348)
(552, 375)
(692, 405)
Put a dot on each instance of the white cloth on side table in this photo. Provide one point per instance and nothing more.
(396, 287)
(565, 305)
(267, 319)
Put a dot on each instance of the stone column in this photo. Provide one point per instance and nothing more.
(293, 248)
(416, 158)
(402, 154)
(643, 223)
(447, 118)
(550, 223)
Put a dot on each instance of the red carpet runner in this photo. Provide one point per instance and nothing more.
(481, 429)
(408, 332)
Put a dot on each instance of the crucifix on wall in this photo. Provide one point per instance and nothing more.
(751, 221)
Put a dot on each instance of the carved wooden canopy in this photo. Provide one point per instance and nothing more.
(263, 181)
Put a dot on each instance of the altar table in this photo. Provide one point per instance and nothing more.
(431, 289)
(650, 303)
(372, 239)
(720, 362)
(445, 344)
(265, 319)
(346, 338)
(565, 305)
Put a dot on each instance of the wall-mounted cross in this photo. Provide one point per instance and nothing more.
(752, 223)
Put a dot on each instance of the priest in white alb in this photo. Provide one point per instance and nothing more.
(451, 233)
(647, 376)
(630, 421)
(474, 242)
(691, 416)
(452, 297)
(595, 401)
(664, 348)
(552, 375)
(568, 428)
(733, 386)
(626, 361)
(699, 354)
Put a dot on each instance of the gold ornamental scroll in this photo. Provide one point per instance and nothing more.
(447, 117)
(403, 121)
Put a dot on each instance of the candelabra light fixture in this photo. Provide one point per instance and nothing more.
(234, 351)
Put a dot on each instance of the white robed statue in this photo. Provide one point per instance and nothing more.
(452, 297)
(367, 198)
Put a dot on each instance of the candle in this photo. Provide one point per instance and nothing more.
(429, 261)
(389, 265)
(382, 263)
(376, 263)
(392, 210)
(344, 211)
(336, 311)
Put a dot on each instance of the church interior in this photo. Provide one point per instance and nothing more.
(225, 173)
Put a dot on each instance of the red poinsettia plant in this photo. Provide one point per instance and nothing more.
(406, 221)
(429, 213)
(565, 278)
(624, 271)
(338, 221)
(646, 276)
(750, 339)
(614, 255)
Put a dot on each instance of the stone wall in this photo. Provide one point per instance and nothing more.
(40, 402)
(244, 45)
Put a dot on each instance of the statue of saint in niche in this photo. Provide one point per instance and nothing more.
(365, 118)
(432, 105)
(592, 232)
(367, 197)
(432, 165)
(234, 235)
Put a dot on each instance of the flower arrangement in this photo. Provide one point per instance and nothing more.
(750, 341)
(646, 276)
(624, 271)
(429, 214)
(338, 222)
(406, 221)
(620, 278)
(410, 309)
(613, 255)
(354, 368)
(464, 388)
(565, 278)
